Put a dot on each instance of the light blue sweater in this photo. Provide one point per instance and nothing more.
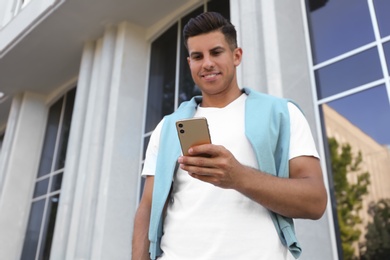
(267, 127)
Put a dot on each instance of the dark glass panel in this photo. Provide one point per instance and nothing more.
(50, 138)
(41, 187)
(33, 230)
(146, 142)
(348, 73)
(142, 184)
(368, 110)
(315, 4)
(382, 10)
(161, 92)
(386, 48)
(187, 87)
(48, 231)
(220, 6)
(56, 182)
(1, 140)
(64, 136)
(338, 27)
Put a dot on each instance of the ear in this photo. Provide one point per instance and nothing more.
(237, 56)
(189, 61)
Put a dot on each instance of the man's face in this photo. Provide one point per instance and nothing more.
(213, 63)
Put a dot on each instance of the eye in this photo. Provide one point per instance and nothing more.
(196, 56)
(217, 51)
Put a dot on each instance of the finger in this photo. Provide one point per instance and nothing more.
(193, 169)
(198, 161)
(209, 179)
(199, 150)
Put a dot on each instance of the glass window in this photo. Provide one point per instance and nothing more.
(1, 141)
(382, 9)
(348, 73)
(358, 137)
(65, 128)
(386, 48)
(369, 111)
(357, 126)
(56, 182)
(220, 6)
(338, 27)
(48, 231)
(41, 187)
(53, 122)
(33, 230)
(161, 97)
(146, 142)
(40, 229)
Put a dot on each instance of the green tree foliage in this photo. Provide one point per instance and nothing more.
(349, 195)
(378, 231)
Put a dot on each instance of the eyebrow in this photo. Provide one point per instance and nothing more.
(218, 48)
(195, 53)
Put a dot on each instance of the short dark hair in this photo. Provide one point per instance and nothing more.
(209, 22)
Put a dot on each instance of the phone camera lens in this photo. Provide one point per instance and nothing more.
(182, 131)
(180, 125)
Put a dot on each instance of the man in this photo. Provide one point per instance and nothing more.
(237, 203)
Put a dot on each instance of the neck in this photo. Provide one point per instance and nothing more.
(220, 99)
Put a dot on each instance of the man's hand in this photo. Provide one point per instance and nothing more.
(220, 169)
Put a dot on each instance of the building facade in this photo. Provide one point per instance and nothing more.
(84, 83)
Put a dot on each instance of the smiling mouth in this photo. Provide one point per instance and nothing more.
(210, 76)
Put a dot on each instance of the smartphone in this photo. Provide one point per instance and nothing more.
(192, 132)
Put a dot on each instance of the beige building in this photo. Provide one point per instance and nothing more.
(376, 159)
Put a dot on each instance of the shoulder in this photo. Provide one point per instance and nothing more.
(253, 94)
(266, 103)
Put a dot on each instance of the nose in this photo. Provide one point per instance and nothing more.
(208, 62)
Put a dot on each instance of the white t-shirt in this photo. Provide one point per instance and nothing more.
(207, 222)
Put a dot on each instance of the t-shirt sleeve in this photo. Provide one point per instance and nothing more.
(152, 151)
(301, 138)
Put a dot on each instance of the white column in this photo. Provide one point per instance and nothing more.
(18, 169)
(258, 36)
(119, 184)
(69, 182)
(246, 17)
(100, 186)
(91, 157)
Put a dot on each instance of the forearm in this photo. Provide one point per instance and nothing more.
(140, 249)
(140, 245)
(295, 198)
